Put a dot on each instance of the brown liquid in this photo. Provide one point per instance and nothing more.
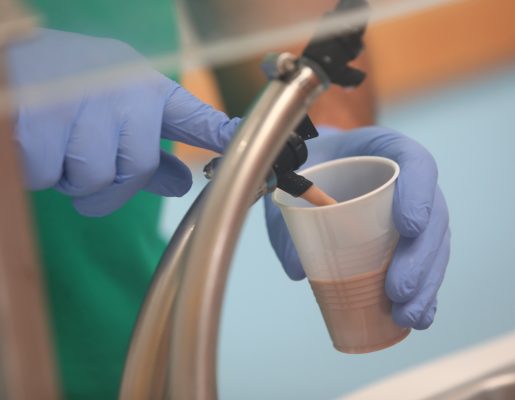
(357, 313)
(318, 197)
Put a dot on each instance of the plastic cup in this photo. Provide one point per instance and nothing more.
(346, 248)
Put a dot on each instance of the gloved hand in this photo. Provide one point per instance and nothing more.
(419, 212)
(101, 146)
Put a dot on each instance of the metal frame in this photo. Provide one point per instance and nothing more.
(27, 368)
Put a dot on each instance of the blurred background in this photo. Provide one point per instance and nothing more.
(445, 76)
(442, 72)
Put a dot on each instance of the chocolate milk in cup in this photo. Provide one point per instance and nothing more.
(346, 248)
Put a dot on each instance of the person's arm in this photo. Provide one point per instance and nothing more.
(241, 82)
(343, 108)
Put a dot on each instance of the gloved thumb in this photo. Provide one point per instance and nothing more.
(281, 241)
(172, 177)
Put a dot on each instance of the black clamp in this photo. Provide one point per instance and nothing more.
(293, 155)
(332, 54)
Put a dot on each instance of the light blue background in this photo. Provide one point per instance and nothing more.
(274, 344)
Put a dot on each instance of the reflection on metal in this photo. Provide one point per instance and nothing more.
(219, 50)
(497, 386)
(188, 288)
(196, 314)
(25, 353)
(268, 186)
(145, 370)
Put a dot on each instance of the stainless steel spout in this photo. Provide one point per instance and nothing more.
(195, 322)
(146, 366)
(191, 280)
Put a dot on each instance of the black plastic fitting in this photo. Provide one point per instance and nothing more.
(332, 54)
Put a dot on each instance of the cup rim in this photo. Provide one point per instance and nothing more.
(344, 160)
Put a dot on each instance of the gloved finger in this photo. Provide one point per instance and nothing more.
(39, 138)
(408, 314)
(171, 179)
(414, 192)
(187, 119)
(415, 188)
(90, 160)
(414, 258)
(138, 152)
(281, 241)
(427, 317)
(108, 200)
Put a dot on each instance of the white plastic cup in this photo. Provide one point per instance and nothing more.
(346, 248)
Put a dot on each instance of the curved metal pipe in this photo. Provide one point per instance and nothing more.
(196, 313)
(145, 370)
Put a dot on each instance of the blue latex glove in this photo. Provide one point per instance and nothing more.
(419, 212)
(101, 146)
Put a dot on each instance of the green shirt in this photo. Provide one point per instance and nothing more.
(97, 269)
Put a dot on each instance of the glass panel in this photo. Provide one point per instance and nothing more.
(211, 32)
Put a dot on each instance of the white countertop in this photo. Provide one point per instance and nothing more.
(444, 373)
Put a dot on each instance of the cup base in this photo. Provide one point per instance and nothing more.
(357, 313)
(371, 349)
